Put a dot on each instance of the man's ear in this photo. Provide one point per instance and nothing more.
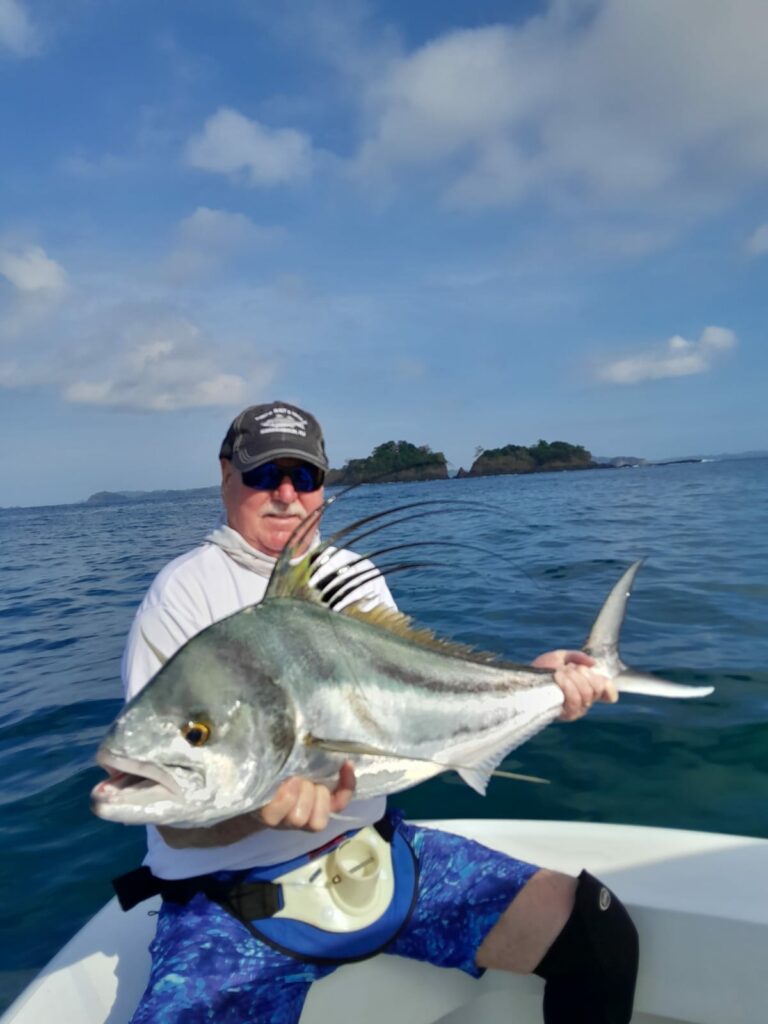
(227, 469)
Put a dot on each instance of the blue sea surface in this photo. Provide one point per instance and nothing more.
(532, 559)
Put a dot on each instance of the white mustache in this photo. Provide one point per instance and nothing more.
(277, 509)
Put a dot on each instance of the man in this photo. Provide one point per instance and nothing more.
(474, 908)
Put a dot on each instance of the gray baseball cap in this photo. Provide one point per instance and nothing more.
(273, 431)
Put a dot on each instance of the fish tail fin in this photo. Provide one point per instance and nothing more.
(603, 645)
(630, 681)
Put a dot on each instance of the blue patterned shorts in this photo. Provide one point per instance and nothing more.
(206, 966)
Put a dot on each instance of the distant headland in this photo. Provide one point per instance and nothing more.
(122, 497)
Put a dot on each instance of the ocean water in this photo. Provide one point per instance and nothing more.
(531, 561)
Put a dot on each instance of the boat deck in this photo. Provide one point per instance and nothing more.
(700, 902)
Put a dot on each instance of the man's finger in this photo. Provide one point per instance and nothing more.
(301, 811)
(273, 813)
(345, 789)
(578, 658)
(571, 697)
(610, 694)
(321, 810)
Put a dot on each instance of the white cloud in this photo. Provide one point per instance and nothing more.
(114, 349)
(207, 238)
(678, 358)
(612, 100)
(349, 37)
(162, 366)
(216, 227)
(230, 143)
(17, 31)
(757, 243)
(31, 270)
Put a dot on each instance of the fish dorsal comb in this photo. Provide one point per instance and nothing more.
(285, 581)
(292, 579)
(383, 617)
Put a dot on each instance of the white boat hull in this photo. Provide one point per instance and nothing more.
(700, 902)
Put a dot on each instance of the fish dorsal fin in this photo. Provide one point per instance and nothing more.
(291, 574)
(294, 580)
(383, 617)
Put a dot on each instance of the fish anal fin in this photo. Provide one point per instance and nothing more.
(475, 778)
(478, 778)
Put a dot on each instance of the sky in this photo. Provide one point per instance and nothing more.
(460, 223)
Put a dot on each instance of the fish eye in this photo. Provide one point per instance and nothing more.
(196, 734)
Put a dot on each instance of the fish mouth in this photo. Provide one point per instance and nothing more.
(137, 782)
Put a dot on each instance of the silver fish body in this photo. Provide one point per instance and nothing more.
(289, 687)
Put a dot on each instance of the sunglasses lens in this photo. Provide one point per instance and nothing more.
(304, 478)
(263, 478)
(269, 476)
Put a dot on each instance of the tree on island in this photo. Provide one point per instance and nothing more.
(544, 452)
(393, 461)
(537, 458)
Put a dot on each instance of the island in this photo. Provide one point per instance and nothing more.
(402, 461)
(392, 462)
(542, 457)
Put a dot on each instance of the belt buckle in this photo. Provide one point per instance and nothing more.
(344, 889)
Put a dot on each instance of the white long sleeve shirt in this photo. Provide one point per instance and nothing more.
(192, 592)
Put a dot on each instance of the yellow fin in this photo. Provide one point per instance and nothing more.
(401, 625)
(291, 579)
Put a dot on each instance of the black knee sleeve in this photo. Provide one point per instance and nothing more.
(591, 968)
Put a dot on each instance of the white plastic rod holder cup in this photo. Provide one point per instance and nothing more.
(354, 872)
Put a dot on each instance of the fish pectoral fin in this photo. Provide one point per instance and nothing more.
(350, 747)
(477, 776)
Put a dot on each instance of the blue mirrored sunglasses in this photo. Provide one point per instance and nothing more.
(269, 476)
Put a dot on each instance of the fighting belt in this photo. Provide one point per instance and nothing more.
(341, 903)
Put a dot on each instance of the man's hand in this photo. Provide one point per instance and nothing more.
(302, 804)
(581, 687)
(298, 804)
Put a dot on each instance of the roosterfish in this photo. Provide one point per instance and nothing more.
(295, 686)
